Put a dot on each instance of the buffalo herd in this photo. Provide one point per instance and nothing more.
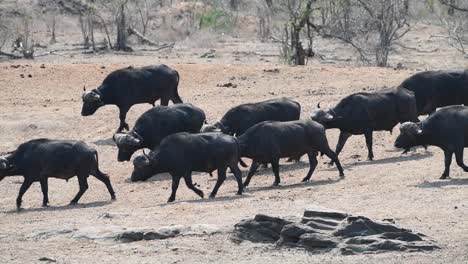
(181, 142)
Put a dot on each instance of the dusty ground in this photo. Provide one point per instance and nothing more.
(405, 188)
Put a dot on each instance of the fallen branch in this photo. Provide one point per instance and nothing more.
(416, 49)
(13, 56)
(53, 52)
(132, 31)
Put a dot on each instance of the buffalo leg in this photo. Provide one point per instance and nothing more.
(448, 160)
(334, 157)
(175, 186)
(164, 101)
(238, 174)
(275, 168)
(24, 187)
(459, 159)
(242, 163)
(83, 182)
(221, 179)
(253, 168)
(189, 183)
(105, 179)
(312, 163)
(368, 135)
(341, 142)
(122, 115)
(45, 192)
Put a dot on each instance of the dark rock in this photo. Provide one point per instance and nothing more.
(227, 85)
(291, 232)
(46, 259)
(42, 66)
(261, 229)
(325, 230)
(130, 236)
(316, 240)
(327, 214)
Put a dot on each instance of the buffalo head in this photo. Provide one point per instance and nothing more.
(127, 144)
(323, 116)
(5, 166)
(92, 100)
(144, 167)
(409, 133)
(216, 127)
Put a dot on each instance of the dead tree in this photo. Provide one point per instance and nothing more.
(299, 14)
(457, 25)
(371, 27)
(121, 43)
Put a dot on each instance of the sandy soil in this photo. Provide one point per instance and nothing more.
(405, 188)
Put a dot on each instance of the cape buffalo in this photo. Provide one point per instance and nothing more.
(157, 123)
(435, 89)
(181, 153)
(447, 129)
(269, 141)
(129, 86)
(364, 113)
(242, 117)
(40, 159)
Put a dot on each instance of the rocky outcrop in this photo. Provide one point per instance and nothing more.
(327, 230)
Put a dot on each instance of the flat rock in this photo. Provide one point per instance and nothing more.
(324, 230)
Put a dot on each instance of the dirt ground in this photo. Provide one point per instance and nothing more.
(405, 188)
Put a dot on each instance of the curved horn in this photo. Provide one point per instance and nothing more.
(146, 155)
(318, 105)
(125, 139)
(84, 88)
(4, 164)
(138, 136)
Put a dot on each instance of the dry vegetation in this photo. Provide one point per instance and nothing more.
(212, 43)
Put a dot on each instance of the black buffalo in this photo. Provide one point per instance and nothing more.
(181, 153)
(435, 89)
(447, 129)
(364, 113)
(157, 123)
(269, 141)
(39, 159)
(242, 117)
(129, 86)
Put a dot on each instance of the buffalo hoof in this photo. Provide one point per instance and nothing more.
(443, 177)
(276, 185)
(45, 205)
(305, 180)
(73, 203)
(239, 193)
(113, 198)
(330, 163)
(212, 195)
(170, 200)
(342, 175)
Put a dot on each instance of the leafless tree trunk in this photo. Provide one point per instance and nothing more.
(121, 43)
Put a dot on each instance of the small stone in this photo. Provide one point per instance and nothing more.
(46, 259)
(42, 66)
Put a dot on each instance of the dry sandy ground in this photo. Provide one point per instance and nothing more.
(405, 188)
